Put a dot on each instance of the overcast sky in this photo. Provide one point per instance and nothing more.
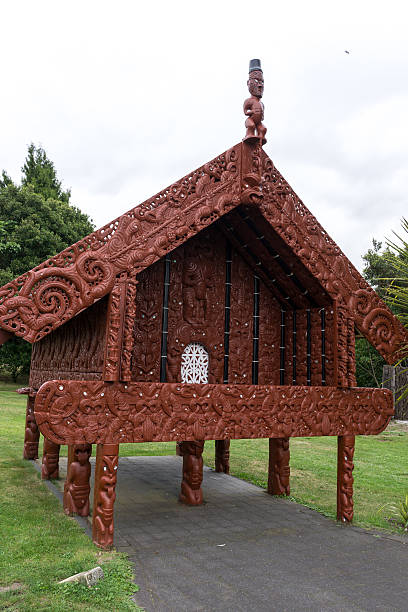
(127, 97)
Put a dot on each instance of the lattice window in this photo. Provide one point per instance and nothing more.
(194, 364)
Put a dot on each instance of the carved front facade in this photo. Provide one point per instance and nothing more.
(218, 309)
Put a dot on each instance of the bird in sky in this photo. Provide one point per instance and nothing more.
(348, 52)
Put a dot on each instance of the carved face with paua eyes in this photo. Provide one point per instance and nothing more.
(256, 83)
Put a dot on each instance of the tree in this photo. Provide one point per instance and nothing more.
(36, 222)
(39, 172)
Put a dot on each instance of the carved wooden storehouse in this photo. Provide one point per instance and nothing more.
(218, 309)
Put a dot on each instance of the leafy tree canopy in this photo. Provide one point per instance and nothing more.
(36, 222)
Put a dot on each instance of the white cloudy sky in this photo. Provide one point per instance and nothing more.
(128, 96)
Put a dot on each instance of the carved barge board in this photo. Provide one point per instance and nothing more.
(72, 412)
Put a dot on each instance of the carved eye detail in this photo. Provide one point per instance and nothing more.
(194, 364)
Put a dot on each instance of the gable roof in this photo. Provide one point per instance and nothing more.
(50, 294)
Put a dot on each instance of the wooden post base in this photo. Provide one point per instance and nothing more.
(191, 493)
(50, 460)
(345, 466)
(32, 433)
(77, 483)
(222, 454)
(107, 456)
(279, 469)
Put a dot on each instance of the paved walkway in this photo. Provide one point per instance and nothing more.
(245, 550)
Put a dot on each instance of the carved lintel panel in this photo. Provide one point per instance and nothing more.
(345, 466)
(241, 321)
(32, 433)
(77, 483)
(191, 492)
(148, 322)
(196, 302)
(50, 460)
(222, 455)
(41, 300)
(128, 327)
(279, 468)
(69, 412)
(104, 494)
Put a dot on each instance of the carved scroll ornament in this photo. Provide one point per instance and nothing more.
(72, 412)
(44, 298)
(320, 254)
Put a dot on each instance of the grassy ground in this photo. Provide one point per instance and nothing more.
(39, 545)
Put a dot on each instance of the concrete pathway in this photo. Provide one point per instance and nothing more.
(245, 550)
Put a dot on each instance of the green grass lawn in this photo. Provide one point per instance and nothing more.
(39, 545)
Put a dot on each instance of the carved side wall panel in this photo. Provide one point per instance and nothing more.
(316, 346)
(74, 350)
(196, 302)
(241, 321)
(148, 324)
(330, 344)
(269, 338)
(301, 346)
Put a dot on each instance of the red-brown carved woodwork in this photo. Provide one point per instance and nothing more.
(345, 466)
(253, 107)
(191, 492)
(50, 460)
(128, 327)
(104, 494)
(196, 302)
(279, 469)
(77, 483)
(32, 433)
(41, 300)
(147, 325)
(114, 329)
(316, 250)
(222, 455)
(241, 322)
(70, 412)
(269, 338)
(75, 350)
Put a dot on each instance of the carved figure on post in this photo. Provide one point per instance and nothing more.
(32, 433)
(77, 487)
(345, 467)
(104, 496)
(253, 107)
(279, 469)
(50, 460)
(191, 492)
(222, 454)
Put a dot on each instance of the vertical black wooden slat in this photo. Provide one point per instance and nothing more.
(294, 333)
(309, 347)
(282, 348)
(165, 320)
(323, 330)
(228, 263)
(255, 351)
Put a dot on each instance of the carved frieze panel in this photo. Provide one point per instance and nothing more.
(44, 298)
(196, 302)
(68, 412)
(148, 324)
(241, 321)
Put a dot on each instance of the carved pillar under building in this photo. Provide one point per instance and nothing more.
(345, 466)
(279, 469)
(191, 492)
(107, 456)
(222, 453)
(50, 460)
(32, 433)
(77, 483)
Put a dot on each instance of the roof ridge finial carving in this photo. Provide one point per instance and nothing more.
(253, 107)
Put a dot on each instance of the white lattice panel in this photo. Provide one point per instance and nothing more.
(194, 364)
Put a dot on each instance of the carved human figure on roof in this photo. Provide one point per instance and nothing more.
(253, 107)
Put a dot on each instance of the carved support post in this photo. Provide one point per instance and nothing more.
(191, 493)
(50, 460)
(32, 433)
(77, 485)
(222, 453)
(345, 466)
(178, 449)
(104, 494)
(279, 470)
